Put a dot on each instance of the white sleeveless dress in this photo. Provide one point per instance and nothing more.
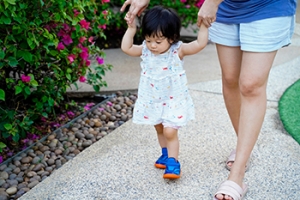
(163, 95)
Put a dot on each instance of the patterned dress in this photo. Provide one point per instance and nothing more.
(163, 95)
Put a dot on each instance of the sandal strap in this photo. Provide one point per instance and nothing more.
(232, 189)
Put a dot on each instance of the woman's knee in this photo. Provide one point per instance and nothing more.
(251, 88)
(230, 81)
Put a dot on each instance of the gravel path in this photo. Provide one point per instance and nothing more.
(29, 168)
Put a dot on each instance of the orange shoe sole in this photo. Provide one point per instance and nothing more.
(171, 176)
(160, 166)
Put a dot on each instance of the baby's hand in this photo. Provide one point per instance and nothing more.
(129, 23)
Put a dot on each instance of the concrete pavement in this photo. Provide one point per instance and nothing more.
(120, 166)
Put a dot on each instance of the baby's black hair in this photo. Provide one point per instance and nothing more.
(161, 20)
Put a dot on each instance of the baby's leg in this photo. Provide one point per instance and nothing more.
(172, 142)
(161, 161)
(172, 164)
(160, 135)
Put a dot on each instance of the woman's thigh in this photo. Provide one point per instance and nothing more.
(265, 35)
(230, 59)
(255, 70)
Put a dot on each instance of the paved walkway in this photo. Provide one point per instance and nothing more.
(120, 166)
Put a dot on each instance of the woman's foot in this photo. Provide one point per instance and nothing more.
(231, 159)
(230, 190)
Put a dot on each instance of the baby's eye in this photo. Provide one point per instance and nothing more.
(158, 42)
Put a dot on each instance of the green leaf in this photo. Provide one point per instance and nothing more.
(68, 76)
(50, 102)
(2, 145)
(26, 55)
(27, 90)
(12, 2)
(45, 114)
(34, 83)
(53, 52)
(31, 43)
(69, 70)
(8, 126)
(96, 88)
(2, 95)
(18, 89)
(2, 54)
(6, 20)
(12, 61)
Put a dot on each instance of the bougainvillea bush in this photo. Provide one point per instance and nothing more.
(186, 9)
(45, 47)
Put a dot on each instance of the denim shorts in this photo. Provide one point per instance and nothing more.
(258, 36)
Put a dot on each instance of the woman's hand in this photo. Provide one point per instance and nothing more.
(207, 12)
(136, 8)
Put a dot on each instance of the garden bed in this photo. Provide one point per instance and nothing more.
(29, 167)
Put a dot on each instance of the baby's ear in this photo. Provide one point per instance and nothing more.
(170, 41)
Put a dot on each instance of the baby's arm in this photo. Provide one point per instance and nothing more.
(127, 45)
(196, 45)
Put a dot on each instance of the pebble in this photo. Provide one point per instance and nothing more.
(33, 166)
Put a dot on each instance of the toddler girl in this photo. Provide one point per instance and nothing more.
(163, 97)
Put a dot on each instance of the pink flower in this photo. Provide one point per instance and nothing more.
(82, 79)
(84, 55)
(66, 27)
(86, 108)
(90, 104)
(105, 1)
(71, 58)
(87, 63)
(199, 3)
(61, 33)
(100, 60)
(105, 12)
(91, 39)
(43, 119)
(70, 114)
(25, 79)
(102, 26)
(183, 1)
(76, 12)
(84, 24)
(67, 39)
(60, 46)
(82, 39)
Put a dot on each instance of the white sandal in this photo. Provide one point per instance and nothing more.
(231, 159)
(232, 189)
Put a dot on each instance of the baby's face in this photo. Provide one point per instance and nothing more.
(157, 44)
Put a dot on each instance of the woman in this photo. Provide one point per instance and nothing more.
(247, 36)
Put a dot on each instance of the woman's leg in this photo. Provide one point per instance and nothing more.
(254, 72)
(230, 59)
(253, 84)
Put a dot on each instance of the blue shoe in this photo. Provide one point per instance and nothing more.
(161, 162)
(172, 169)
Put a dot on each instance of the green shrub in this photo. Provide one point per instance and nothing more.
(186, 9)
(45, 47)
